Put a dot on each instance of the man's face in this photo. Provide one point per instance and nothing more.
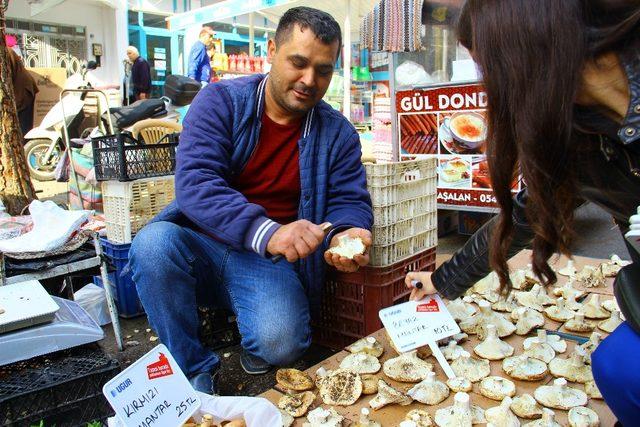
(301, 70)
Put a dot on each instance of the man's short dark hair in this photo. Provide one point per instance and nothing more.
(321, 23)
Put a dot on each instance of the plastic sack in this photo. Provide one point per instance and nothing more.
(410, 73)
(256, 411)
(94, 301)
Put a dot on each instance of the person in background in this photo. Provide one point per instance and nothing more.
(563, 89)
(199, 61)
(24, 88)
(140, 74)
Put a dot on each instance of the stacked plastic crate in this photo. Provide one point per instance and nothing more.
(404, 239)
(137, 183)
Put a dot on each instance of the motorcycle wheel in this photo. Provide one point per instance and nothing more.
(34, 151)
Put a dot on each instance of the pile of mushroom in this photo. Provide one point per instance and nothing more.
(476, 323)
(591, 277)
(536, 298)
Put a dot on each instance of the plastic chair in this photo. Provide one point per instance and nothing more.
(153, 130)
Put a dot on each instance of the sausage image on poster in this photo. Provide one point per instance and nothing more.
(419, 134)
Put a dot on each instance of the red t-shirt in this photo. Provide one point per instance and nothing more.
(271, 179)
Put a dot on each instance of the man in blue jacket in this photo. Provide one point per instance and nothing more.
(199, 62)
(262, 162)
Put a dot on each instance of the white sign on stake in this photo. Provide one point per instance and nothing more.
(414, 324)
(153, 391)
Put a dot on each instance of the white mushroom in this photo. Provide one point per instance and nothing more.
(321, 373)
(287, 420)
(612, 267)
(459, 309)
(407, 367)
(360, 363)
(429, 391)
(569, 270)
(488, 287)
(493, 348)
(571, 303)
(364, 420)
(555, 342)
(583, 417)
(461, 413)
(348, 247)
(528, 319)
(548, 420)
(611, 323)
(536, 298)
(388, 395)
(294, 379)
(340, 387)
(525, 368)
(523, 279)
(368, 345)
(505, 304)
(573, 368)
(560, 396)
(369, 384)
(579, 324)
(459, 384)
(567, 290)
(452, 351)
(592, 309)
(501, 415)
(590, 346)
(526, 407)
(461, 337)
(615, 259)
(419, 417)
(321, 417)
(541, 351)
(298, 404)
(472, 369)
(592, 390)
(497, 388)
(559, 312)
(591, 277)
(610, 305)
(485, 316)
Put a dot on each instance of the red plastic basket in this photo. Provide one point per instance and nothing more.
(351, 301)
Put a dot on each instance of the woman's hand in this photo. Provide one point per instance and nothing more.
(423, 277)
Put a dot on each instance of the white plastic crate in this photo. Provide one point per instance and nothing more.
(396, 193)
(387, 234)
(129, 206)
(391, 214)
(382, 256)
(385, 174)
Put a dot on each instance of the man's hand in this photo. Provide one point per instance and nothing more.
(423, 277)
(296, 240)
(345, 264)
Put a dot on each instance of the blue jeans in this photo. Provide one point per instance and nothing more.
(177, 269)
(616, 369)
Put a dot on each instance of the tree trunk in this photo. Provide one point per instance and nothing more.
(16, 189)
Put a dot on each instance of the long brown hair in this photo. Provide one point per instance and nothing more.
(531, 54)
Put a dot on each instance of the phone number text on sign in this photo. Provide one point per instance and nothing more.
(452, 197)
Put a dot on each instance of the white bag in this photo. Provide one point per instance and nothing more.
(94, 301)
(410, 73)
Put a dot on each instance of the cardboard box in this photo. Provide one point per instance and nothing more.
(50, 82)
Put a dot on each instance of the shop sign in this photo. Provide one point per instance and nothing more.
(449, 123)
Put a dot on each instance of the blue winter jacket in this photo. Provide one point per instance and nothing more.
(199, 65)
(221, 132)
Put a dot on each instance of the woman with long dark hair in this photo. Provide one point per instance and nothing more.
(563, 86)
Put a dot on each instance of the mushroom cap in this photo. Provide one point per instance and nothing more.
(610, 305)
(528, 320)
(559, 312)
(592, 390)
(340, 387)
(507, 304)
(611, 323)
(349, 247)
(459, 384)
(461, 413)
(593, 310)
(298, 404)
(541, 351)
(419, 417)
(287, 419)
(452, 351)
(554, 341)
(429, 391)
(525, 368)
(472, 369)
(368, 345)
(407, 367)
(388, 395)
(560, 396)
(497, 388)
(548, 420)
(579, 324)
(369, 384)
(583, 417)
(493, 348)
(294, 379)
(526, 407)
(572, 368)
(502, 415)
(361, 363)
(460, 309)
(568, 270)
(321, 417)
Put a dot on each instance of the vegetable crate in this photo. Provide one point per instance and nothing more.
(62, 388)
(129, 206)
(403, 195)
(351, 301)
(123, 288)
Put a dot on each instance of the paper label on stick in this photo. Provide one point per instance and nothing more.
(414, 324)
(152, 391)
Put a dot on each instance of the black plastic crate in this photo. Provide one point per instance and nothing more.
(218, 328)
(122, 158)
(62, 388)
